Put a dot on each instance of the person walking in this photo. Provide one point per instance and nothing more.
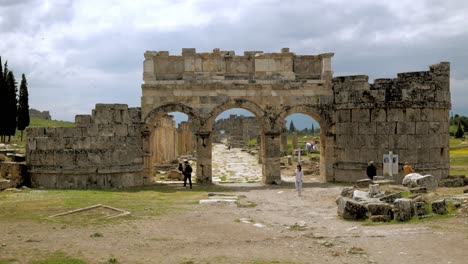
(407, 169)
(299, 179)
(187, 172)
(371, 170)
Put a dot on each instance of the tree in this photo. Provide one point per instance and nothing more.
(23, 106)
(313, 128)
(459, 133)
(3, 102)
(11, 106)
(292, 128)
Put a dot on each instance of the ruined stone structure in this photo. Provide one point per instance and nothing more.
(39, 114)
(359, 121)
(238, 130)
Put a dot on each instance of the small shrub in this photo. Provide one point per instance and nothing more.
(297, 227)
(97, 235)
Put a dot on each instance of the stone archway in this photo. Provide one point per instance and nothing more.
(148, 132)
(327, 143)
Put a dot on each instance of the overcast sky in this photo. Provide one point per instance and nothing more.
(76, 53)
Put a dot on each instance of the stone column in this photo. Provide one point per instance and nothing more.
(284, 143)
(294, 141)
(271, 154)
(204, 157)
(147, 167)
(259, 143)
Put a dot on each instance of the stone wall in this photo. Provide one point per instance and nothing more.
(238, 130)
(408, 115)
(185, 142)
(163, 141)
(103, 150)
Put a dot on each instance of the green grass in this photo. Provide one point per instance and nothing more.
(458, 157)
(39, 122)
(8, 261)
(59, 258)
(142, 202)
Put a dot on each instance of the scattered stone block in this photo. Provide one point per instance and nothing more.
(350, 210)
(390, 198)
(374, 189)
(380, 209)
(419, 209)
(403, 209)
(364, 183)
(453, 181)
(175, 175)
(418, 190)
(413, 180)
(378, 178)
(360, 195)
(439, 207)
(347, 192)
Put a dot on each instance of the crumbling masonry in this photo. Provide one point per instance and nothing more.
(408, 115)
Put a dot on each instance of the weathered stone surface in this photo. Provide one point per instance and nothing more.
(390, 198)
(413, 180)
(418, 190)
(350, 210)
(175, 175)
(359, 121)
(439, 207)
(360, 195)
(453, 181)
(403, 209)
(348, 192)
(380, 209)
(419, 208)
(374, 190)
(363, 183)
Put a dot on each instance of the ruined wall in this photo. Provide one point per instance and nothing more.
(185, 141)
(237, 129)
(163, 140)
(104, 150)
(408, 115)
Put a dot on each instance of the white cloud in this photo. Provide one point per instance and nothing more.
(78, 53)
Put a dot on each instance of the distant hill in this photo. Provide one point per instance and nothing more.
(36, 113)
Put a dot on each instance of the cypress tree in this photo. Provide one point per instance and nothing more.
(11, 106)
(292, 128)
(23, 106)
(3, 102)
(459, 133)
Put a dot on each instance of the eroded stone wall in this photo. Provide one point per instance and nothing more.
(238, 130)
(408, 115)
(103, 150)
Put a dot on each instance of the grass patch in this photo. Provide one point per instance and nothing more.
(223, 178)
(148, 201)
(97, 235)
(8, 261)
(59, 258)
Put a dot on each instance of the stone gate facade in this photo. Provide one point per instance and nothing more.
(359, 121)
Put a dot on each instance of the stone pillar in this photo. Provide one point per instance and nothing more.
(203, 157)
(148, 67)
(271, 154)
(259, 143)
(147, 167)
(294, 141)
(284, 143)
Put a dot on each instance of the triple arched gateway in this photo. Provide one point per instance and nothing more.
(359, 122)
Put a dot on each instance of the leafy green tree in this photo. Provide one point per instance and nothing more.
(292, 128)
(11, 106)
(23, 106)
(459, 133)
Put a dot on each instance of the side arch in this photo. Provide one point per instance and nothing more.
(236, 103)
(193, 115)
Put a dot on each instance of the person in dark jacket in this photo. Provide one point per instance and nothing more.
(371, 170)
(187, 171)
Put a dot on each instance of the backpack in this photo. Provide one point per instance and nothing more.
(188, 169)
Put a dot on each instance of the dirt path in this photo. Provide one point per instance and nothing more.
(226, 233)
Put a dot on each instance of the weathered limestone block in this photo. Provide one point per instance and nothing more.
(380, 209)
(403, 209)
(350, 210)
(439, 207)
(175, 175)
(380, 218)
(360, 195)
(413, 180)
(347, 192)
(453, 181)
(374, 190)
(363, 183)
(391, 198)
(420, 208)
